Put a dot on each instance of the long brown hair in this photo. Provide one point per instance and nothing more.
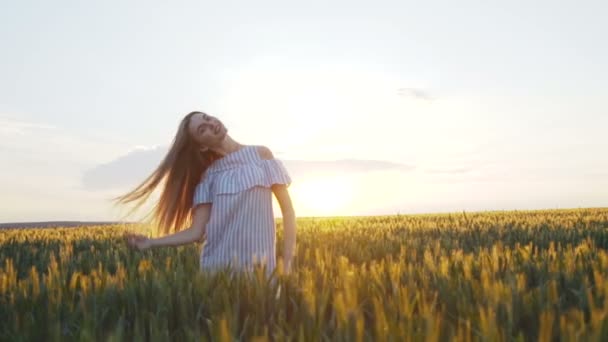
(180, 170)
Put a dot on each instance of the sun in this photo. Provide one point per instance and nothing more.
(323, 195)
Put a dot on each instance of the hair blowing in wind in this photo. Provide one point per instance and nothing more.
(179, 172)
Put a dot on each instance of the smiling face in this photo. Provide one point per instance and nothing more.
(206, 130)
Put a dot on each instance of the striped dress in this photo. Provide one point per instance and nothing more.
(241, 227)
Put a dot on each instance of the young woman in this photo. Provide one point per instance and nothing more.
(223, 191)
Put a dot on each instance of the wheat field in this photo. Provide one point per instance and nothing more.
(489, 276)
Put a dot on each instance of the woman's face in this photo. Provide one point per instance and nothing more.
(206, 130)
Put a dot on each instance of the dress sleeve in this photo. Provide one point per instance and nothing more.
(202, 192)
(275, 172)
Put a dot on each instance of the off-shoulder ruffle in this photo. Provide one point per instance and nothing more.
(276, 173)
(202, 192)
(264, 173)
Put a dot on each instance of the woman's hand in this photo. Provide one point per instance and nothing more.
(138, 241)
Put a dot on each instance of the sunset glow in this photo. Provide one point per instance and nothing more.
(323, 195)
(412, 111)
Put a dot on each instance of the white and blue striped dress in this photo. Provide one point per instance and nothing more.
(241, 226)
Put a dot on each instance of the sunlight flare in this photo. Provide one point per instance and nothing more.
(324, 195)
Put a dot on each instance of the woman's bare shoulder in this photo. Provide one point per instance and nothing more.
(264, 152)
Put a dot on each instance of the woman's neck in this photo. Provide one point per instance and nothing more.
(228, 145)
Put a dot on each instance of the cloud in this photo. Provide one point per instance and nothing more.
(132, 168)
(452, 171)
(127, 170)
(415, 93)
(22, 141)
(10, 128)
(298, 168)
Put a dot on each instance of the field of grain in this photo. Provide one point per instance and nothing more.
(522, 275)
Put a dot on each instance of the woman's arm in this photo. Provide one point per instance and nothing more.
(196, 232)
(289, 223)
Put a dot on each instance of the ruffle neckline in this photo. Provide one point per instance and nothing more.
(229, 160)
(239, 173)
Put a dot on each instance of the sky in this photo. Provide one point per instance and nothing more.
(375, 108)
